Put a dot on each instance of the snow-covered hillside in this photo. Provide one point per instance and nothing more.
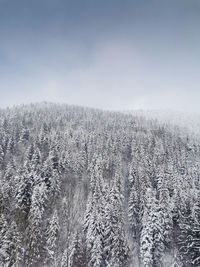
(188, 122)
(83, 187)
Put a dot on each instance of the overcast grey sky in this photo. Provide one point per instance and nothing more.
(111, 54)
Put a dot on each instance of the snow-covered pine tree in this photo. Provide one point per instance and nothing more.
(94, 226)
(64, 259)
(35, 236)
(165, 206)
(11, 251)
(77, 255)
(116, 247)
(52, 236)
(146, 239)
(152, 238)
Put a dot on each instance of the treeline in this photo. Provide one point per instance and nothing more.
(83, 187)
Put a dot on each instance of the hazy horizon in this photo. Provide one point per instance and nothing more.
(110, 55)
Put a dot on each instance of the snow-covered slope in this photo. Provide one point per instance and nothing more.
(81, 187)
(189, 122)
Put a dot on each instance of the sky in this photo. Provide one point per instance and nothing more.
(109, 54)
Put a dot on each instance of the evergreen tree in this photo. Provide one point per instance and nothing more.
(11, 249)
(52, 239)
(116, 248)
(35, 250)
(77, 255)
(64, 260)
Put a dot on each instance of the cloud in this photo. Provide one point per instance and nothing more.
(116, 74)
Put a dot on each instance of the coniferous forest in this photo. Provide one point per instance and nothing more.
(82, 187)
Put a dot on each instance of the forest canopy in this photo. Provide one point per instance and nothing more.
(83, 187)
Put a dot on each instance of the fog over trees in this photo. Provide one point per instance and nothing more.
(82, 187)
